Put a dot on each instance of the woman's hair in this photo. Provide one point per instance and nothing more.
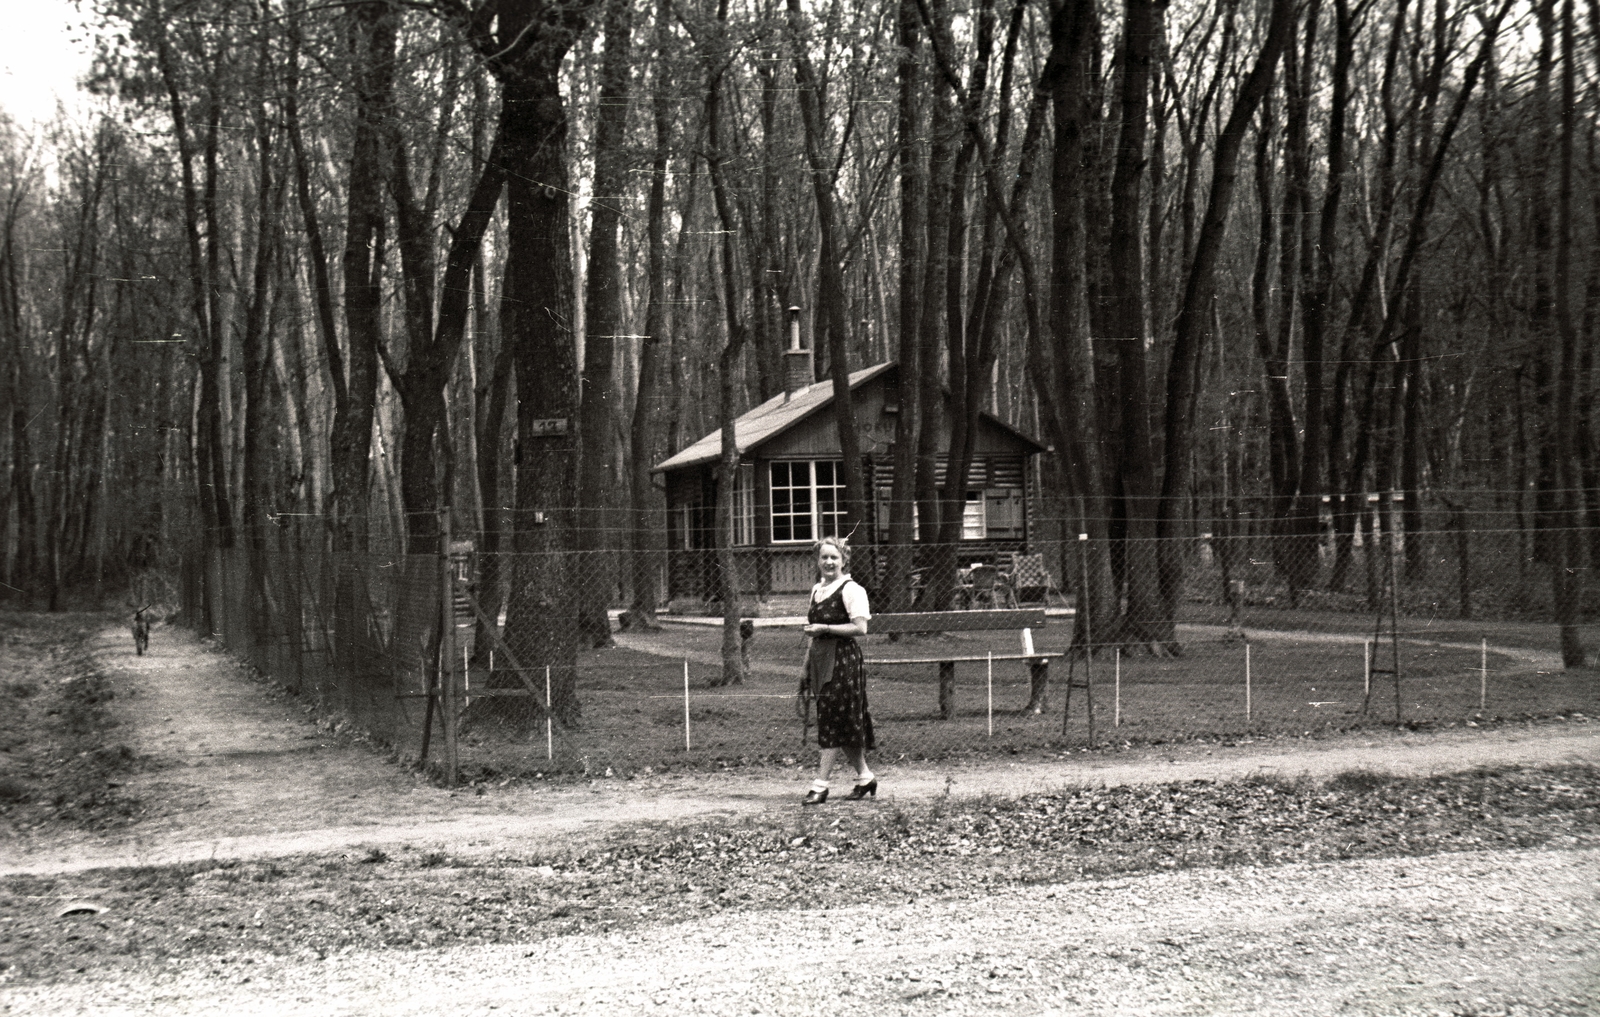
(840, 543)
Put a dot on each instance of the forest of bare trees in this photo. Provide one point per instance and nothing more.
(348, 262)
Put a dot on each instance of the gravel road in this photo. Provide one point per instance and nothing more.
(1513, 933)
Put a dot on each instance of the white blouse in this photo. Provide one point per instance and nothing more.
(855, 598)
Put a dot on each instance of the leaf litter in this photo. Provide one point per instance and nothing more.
(312, 906)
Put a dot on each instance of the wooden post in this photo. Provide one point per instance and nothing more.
(1483, 675)
(687, 745)
(991, 693)
(947, 689)
(447, 652)
(1088, 643)
(1394, 623)
(1088, 633)
(1116, 709)
(1038, 682)
(1247, 685)
(1088, 699)
(1366, 674)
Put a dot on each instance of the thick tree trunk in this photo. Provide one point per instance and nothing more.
(1568, 568)
(600, 517)
(1067, 376)
(913, 233)
(1125, 313)
(536, 316)
(1194, 315)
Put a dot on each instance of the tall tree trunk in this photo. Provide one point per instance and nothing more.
(525, 50)
(1194, 315)
(210, 468)
(259, 428)
(646, 507)
(832, 310)
(1125, 312)
(1066, 375)
(1567, 570)
(733, 667)
(1346, 470)
(932, 405)
(1297, 508)
(371, 28)
(20, 558)
(602, 319)
(910, 154)
(316, 250)
(965, 391)
(1316, 289)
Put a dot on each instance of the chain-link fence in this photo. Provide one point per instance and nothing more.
(1224, 637)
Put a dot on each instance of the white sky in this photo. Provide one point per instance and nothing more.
(39, 62)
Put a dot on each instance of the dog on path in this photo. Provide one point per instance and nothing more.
(141, 631)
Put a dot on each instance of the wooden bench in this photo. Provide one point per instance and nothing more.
(967, 621)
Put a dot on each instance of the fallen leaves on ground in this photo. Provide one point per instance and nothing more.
(852, 852)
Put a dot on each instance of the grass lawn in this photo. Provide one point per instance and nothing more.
(634, 709)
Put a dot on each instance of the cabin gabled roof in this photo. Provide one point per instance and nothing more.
(782, 412)
(771, 418)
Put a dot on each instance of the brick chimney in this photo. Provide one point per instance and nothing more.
(797, 373)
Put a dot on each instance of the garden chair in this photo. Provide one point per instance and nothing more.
(987, 585)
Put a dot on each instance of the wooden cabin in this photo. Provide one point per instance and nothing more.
(791, 492)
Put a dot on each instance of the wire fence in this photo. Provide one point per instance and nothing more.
(488, 664)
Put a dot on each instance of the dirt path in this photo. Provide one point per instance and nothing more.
(1502, 933)
(244, 772)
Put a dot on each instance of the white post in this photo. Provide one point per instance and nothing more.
(686, 743)
(549, 725)
(466, 677)
(1247, 684)
(1116, 695)
(991, 693)
(1366, 668)
(1483, 675)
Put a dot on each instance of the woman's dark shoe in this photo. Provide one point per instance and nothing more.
(861, 791)
(815, 797)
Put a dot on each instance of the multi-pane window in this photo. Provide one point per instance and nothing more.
(830, 498)
(744, 506)
(791, 501)
(807, 500)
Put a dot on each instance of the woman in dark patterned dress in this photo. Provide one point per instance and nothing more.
(839, 613)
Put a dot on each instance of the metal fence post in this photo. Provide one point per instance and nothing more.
(447, 651)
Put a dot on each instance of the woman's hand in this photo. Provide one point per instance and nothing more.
(857, 627)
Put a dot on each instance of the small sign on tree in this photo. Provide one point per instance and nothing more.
(548, 427)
